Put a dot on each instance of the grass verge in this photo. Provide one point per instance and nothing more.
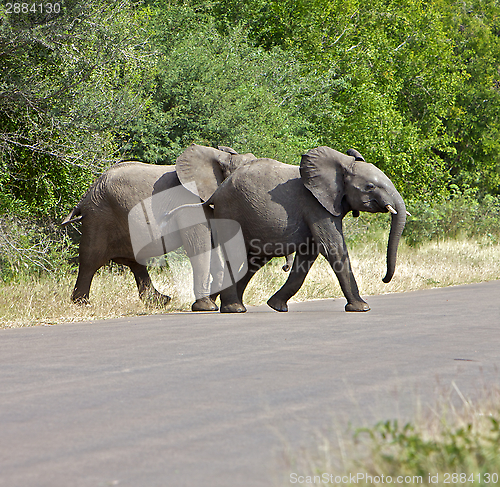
(446, 445)
(46, 300)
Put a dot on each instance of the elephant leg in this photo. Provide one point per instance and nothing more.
(232, 298)
(197, 242)
(332, 245)
(90, 261)
(147, 292)
(201, 283)
(341, 265)
(300, 267)
(81, 290)
(254, 264)
(217, 265)
(229, 301)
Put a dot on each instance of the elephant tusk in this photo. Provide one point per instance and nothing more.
(408, 213)
(391, 209)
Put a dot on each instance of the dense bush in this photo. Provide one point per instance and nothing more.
(461, 215)
(29, 249)
(466, 454)
(414, 86)
(221, 90)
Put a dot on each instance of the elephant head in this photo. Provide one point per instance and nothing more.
(202, 169)
(342, 183)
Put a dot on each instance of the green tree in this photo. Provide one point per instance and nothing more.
(416, 82)
(474, 123)
(219, 89)
(68, 80)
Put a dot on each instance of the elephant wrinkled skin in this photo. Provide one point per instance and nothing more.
(104, 214)
(284, 209)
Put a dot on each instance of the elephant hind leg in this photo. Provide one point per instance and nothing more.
(147, 292)
(300, 267)
(93, 255)
(254, 264)
(81, 291)
(198, 245)
(89, 264)
(232, 298)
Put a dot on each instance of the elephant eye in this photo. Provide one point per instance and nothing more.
(370, 186)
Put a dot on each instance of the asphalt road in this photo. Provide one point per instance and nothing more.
(214, 400)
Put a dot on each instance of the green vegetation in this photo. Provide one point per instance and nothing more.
(44, 297)
(414, 86)
(455, 445)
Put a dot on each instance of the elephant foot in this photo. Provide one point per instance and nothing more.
(277, 304)
(357, 306)
(204, 304)
(233, 308)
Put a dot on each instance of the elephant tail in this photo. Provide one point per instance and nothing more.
(74, 216)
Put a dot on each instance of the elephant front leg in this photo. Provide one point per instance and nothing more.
(300, 267)
(328, 233)
(198, 245)
(341, 265)
(229, 301)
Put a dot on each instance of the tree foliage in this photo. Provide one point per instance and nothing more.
(414, 85)
(68, 80)
(417, 80)
(218, 89)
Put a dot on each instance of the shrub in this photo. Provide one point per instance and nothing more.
(28, 249)
(464, 453)
(461, 215)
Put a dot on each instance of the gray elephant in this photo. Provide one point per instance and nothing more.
(120, 212)
(283, 209)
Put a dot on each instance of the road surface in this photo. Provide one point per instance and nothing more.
(214, 400)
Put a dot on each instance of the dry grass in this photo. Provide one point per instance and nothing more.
(436, 264)
(457, 439)
(114, 293)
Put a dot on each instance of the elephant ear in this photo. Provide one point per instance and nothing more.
(354, 153)
(199, 169)
(323, 171)
(226, 149)
(236, 161)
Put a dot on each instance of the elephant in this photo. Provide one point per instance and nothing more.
(285, 208)
(131, 194)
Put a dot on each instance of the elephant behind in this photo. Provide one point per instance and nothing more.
(107, 226)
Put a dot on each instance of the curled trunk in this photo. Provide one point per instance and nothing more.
(397, 225)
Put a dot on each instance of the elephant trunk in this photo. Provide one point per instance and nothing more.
(397, 225)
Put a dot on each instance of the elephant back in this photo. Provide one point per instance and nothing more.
(265, 194)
